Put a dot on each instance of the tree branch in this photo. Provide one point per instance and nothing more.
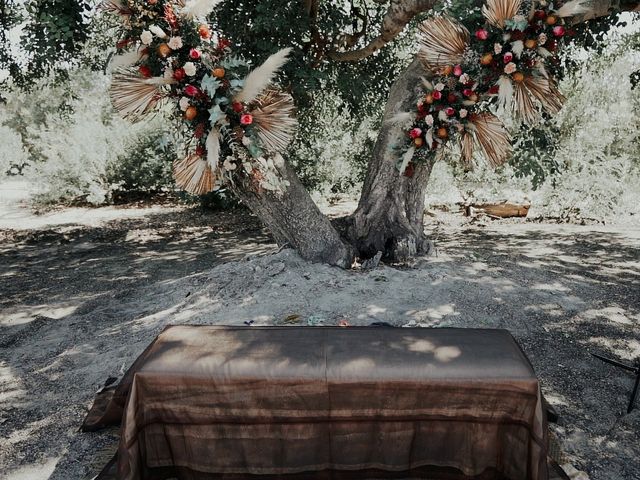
(398, 15)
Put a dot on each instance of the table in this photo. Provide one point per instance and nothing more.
(301, 402)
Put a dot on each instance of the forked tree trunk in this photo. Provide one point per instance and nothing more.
(294, 219)
(389, 217)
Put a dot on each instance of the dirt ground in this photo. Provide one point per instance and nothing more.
(80, 300)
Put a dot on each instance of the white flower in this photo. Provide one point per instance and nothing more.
(189, 69)
(497, 48)
(542, 39)
(184, 103)
(464, 78)
(463, 112)
(157, 31)
(519, 18)
(442, 116)
(146, 37)
(428, 120)
(175, 43)
(228, 164)
(510, 68)
(440, 86)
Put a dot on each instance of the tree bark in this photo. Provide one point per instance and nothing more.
(389, 217)
(294, 219)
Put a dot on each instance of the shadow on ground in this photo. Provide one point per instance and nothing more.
(563, 291)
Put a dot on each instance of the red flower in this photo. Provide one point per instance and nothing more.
(467, 92)
(145, 71)
(450, 111)
(200, 151)
(223, 43)
(246, 119)
(179, 74)
(558, 31)
(194, 53)
(482, 34)
(237, 107)
(540, 14)
(415, 133)
(451, 98)
(191, 91)
(437, 95)
(494, 89)
(457, 70)
(507, 57)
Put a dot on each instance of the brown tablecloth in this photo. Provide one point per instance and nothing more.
(231, 402)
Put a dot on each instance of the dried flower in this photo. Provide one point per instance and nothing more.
(415, 133)
(190, 69)
(482, 34)
(191, 90)
(146, 37)
(157, 31)
(510, 68)
(450, 111)
(542, 39)
(457, 70)
(558, 31)
(175, 43)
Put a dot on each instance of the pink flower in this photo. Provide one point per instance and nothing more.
(457, 70)
(194, 53)
(482, 34)
(415, 133)
(191, 91)
(437, 94)
(467, 92)
(507, 57)
(558, 31)
(450, 111)
(246, 119)
(510, 68)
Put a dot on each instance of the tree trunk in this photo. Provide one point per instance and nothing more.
(294, 219)
(389, 217)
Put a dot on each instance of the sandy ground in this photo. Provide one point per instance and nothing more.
(81, 299)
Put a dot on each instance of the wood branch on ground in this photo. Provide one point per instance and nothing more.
(498, 210)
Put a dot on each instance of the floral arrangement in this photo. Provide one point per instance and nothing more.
(235, 123)
(506, 65)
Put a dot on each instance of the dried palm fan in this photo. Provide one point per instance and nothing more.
(498, 11)
(466, 148)
(443, 42)
(524, 107)
(492, 137)
(274, 120)
(193, 174)
(133, 96)
(546, 92)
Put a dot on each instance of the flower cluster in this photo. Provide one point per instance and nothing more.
(509, 61)
(225, 113)
(522, 48)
